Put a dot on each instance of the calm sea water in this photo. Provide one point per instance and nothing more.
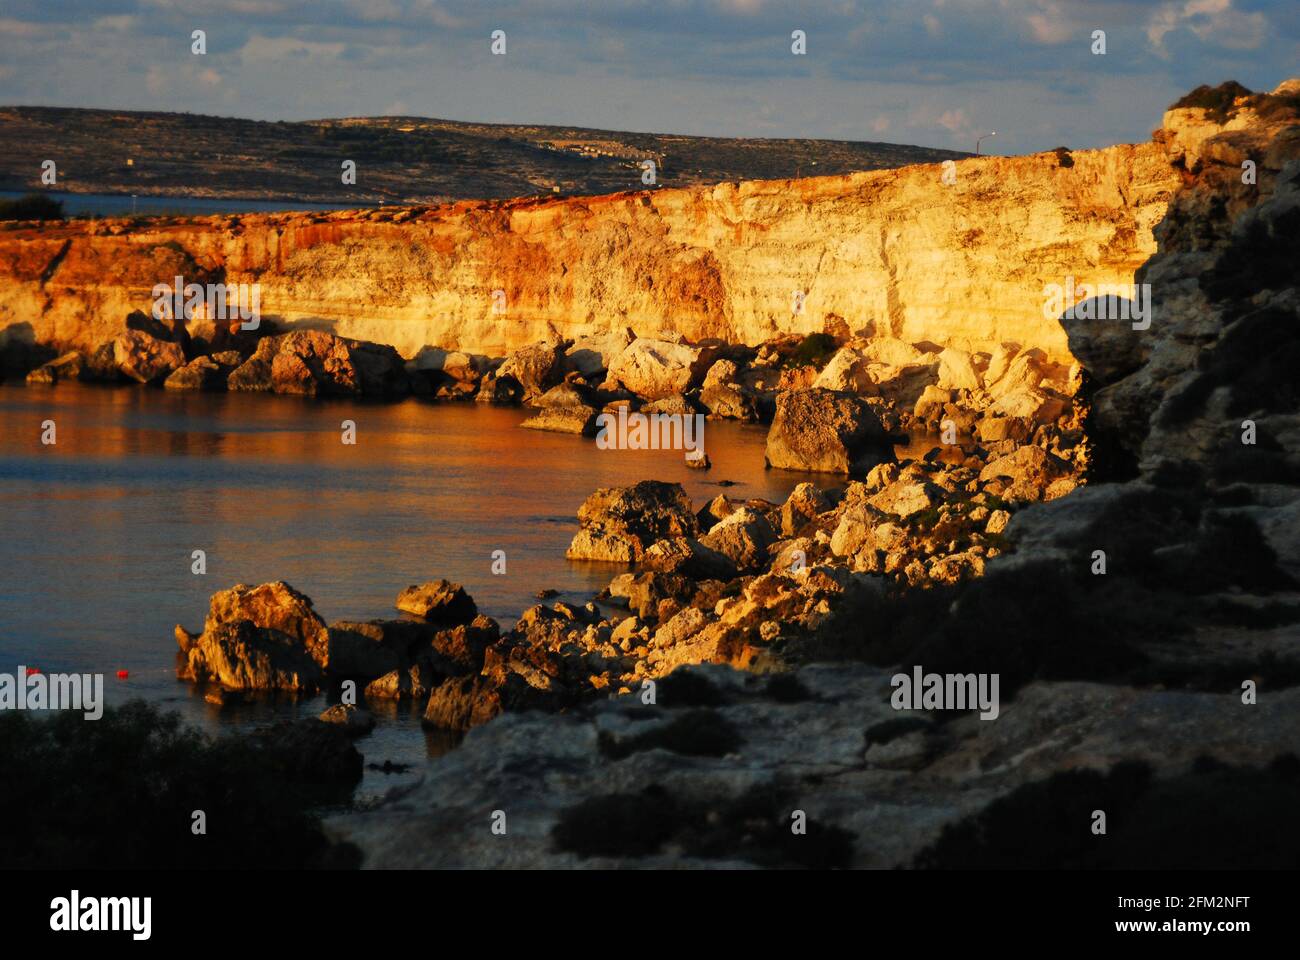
(97, 531)
(121, 205)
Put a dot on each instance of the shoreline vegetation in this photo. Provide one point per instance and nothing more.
(1107, 538)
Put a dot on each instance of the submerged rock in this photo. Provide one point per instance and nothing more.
(354, 720)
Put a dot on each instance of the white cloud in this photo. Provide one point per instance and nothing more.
(1050, 24)
(1214, 22)
(954, 121)
(260, 49)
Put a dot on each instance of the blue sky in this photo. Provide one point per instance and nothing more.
(931, 72)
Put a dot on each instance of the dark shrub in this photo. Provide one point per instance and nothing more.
(815, 350)
(34, 206)
(120, 792)
(1214, 817)
(1218, 100)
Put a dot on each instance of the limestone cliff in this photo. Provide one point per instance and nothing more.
(898, 252)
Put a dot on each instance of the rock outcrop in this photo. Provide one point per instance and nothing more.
(258, 638)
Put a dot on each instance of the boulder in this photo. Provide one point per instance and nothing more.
(494, 389)
(201, 373)
(1028, 470)
(352, 719)
(689, 558)
(460, 703)
(1029, 404)
(594, 354)
(827, 432)
(743, 536)
(314, 363)
(804, 504)
(729, 401)
(957, 371)
(101, 365)
(996, 429)
(852, 532)
(439, 601)
(535, 368)
(653, 369)
(620, 523)
(69, 366)
(371, 648)
(846, 372)
(241, 656)
(144, 358)
(275, 607)
(647, 590)
(905, 496)
(1000, 362)
(930, 404)
(563, 410)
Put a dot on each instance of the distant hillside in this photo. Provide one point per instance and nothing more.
(399, 159)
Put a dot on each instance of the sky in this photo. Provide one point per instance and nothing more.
(936, 73)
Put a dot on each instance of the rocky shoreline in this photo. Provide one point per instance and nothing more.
(1144, 627)
(1118, 540)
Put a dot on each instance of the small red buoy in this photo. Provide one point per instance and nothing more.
(122, 674)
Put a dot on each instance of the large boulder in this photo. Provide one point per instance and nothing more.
(145, 358)
(440, 601)
(846, 372)
(743, 536)
(201, 373)
(314, 363)
(563, 409)
(804, 503)
(620, 523)
(957, 371)
(689, 557)
(258, 638)
(654, 369)
(69, 366)
(534, 369)
(1027, 472)
(372, 648)
(273, 606)
(592, 355)
(240, 656)
(826, 432)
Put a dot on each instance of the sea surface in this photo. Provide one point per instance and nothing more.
(124, 205)
(98, 530)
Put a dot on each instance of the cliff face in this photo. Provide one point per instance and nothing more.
(896, 252)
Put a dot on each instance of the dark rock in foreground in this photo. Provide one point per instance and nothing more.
(618, 784)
